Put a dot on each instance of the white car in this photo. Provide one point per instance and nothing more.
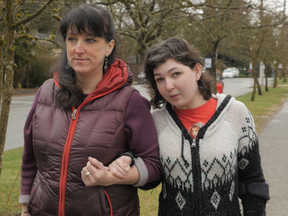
(230, 72)
(141, 77)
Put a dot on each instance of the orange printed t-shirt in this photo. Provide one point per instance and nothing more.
(198, 116)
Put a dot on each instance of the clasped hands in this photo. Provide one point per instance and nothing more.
(96, 174)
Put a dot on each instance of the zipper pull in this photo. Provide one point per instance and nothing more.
(74, 114)
(193, 143)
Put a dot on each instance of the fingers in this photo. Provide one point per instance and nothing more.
(94, 162)
(126, 162)
(24, 210)
(85, 175)
(120, 167)
(116, 170)
(94, 173)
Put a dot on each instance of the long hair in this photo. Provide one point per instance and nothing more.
(92, 20)
(181, 51)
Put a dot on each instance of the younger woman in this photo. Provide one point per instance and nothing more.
(203, 175)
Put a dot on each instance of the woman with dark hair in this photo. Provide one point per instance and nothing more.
(203, 175)
(81, 121)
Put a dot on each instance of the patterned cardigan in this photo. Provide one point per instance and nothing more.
(201, 176)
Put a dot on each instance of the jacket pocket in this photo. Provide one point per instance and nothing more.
(109, 203)
(105, 202)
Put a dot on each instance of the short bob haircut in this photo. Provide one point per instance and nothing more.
(84, 19)
(181, 51)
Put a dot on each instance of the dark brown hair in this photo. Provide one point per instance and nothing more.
(95, 21)
(181, 51)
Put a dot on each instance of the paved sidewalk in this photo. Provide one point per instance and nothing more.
(274, 155)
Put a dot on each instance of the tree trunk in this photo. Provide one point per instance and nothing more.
(1, 59)
(259, 87)
(1, 68)
(9, 65)
(212, 70)
(285, 73)
(8, 78)
(268, 71)
(266, 83)
(275, 76)
(27, 71)
(255, 81)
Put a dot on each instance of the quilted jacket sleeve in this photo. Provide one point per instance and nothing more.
(28, 167)
(142, 139)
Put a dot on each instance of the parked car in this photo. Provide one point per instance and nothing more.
(141, 77)
(230, 72)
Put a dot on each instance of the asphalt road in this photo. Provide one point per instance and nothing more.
(19, 109)
(21, 104)
(237, 86)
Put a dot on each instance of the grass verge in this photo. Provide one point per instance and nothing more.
(263, 108)
(11, 162)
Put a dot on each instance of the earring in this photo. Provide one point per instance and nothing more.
(67, 65)
(105, 63)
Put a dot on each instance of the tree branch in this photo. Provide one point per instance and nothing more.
(23, 21)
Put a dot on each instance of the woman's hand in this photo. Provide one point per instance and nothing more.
(95, 173)
(120, 167)
(25, 210)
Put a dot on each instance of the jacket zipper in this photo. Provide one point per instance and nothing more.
(66, 151)
(74, 114)
(196, 170)
(193, 143)
(65, 162)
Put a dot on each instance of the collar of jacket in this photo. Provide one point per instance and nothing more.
(224, 102)
(116, 76)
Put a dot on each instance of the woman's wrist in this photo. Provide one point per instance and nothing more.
(128, 154)
(25, 211)
(131, 178)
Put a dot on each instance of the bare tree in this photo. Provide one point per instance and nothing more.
(255, 37)
(252, 44)
(284, 35)
(216, 21)
(12, 23)
(142, 21)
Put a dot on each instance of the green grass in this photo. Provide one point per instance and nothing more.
(149, 201)
(264, 106)
(280, 82)
(262, 109)
(11, 162)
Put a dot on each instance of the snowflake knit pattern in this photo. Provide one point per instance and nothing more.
(201, 176)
